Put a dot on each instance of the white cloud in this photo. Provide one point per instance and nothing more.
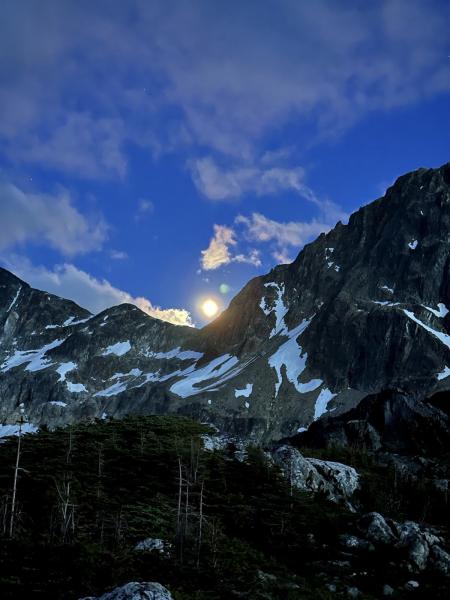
(218, 183)
(260, 228)
(219, 254)
(224, 80)
(68, 281)
(282, 257)
(285, 237)
(42, 218)
(118, 255)
(252, 258)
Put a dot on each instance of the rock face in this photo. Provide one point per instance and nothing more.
(390, 420)
(362, 309)
(337, 481)
(136, 591)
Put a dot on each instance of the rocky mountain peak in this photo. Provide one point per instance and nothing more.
(362, 309)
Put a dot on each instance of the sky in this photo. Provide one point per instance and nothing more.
(165, 152)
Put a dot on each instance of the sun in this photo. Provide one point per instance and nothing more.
(210, 308)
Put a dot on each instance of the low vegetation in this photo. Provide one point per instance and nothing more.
(87, 494)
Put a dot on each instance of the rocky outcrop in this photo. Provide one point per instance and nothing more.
(362, 309)
(336, 481)
(136, 591)
(420, 548)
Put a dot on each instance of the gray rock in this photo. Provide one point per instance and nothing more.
(411, 585)
(376, 529)
(356, 544)
(337, 481)
(439, 560)
(415, 542)
(420, 544)
(152, 545)
(136, 591)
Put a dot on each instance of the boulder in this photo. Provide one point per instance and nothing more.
(419, 544)
(337, 481)
(376, 529)
(152, 544)
(147, 590)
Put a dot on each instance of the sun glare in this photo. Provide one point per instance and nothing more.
(210, 308)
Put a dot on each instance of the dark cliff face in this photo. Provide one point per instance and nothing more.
(362, 309)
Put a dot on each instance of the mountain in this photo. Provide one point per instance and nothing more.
(362, 309)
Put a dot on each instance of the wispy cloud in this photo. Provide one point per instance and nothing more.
(68, 281)
(81, 144)
(118, 255)
(223, 80)
(219, 251)
(52, 220)
(286, 237)
(145, 207)
(230, 183)
(220, 183)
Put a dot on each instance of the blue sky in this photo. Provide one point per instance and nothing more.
(162, 152)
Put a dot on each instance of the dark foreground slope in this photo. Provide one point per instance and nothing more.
(363, 309)
(88, 494)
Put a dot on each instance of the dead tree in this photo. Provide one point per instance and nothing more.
(16, 474)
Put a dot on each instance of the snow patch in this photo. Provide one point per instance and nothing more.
(246, 392)
(444, 374)
(176, 353)
(75, 388)
(113, 390)
(385, 303)
(291, 355)
(413, 245)
(65, 368)
(442, 337)
(35, 358)
(387, 289)
(58, 403)
(9, 430)
(68, 322)
(322, 401)
(132, 373)
(440, 313)
(219, 370)
(14, 300)
(279, 308)
(331, 264)
(119, 349)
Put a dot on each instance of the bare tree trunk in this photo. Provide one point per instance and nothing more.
(200, 525)
(4, 513)
(16, 472)
(99, 470)
(66, 507)
(180, 489)
(186, 509)
(142, 441)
